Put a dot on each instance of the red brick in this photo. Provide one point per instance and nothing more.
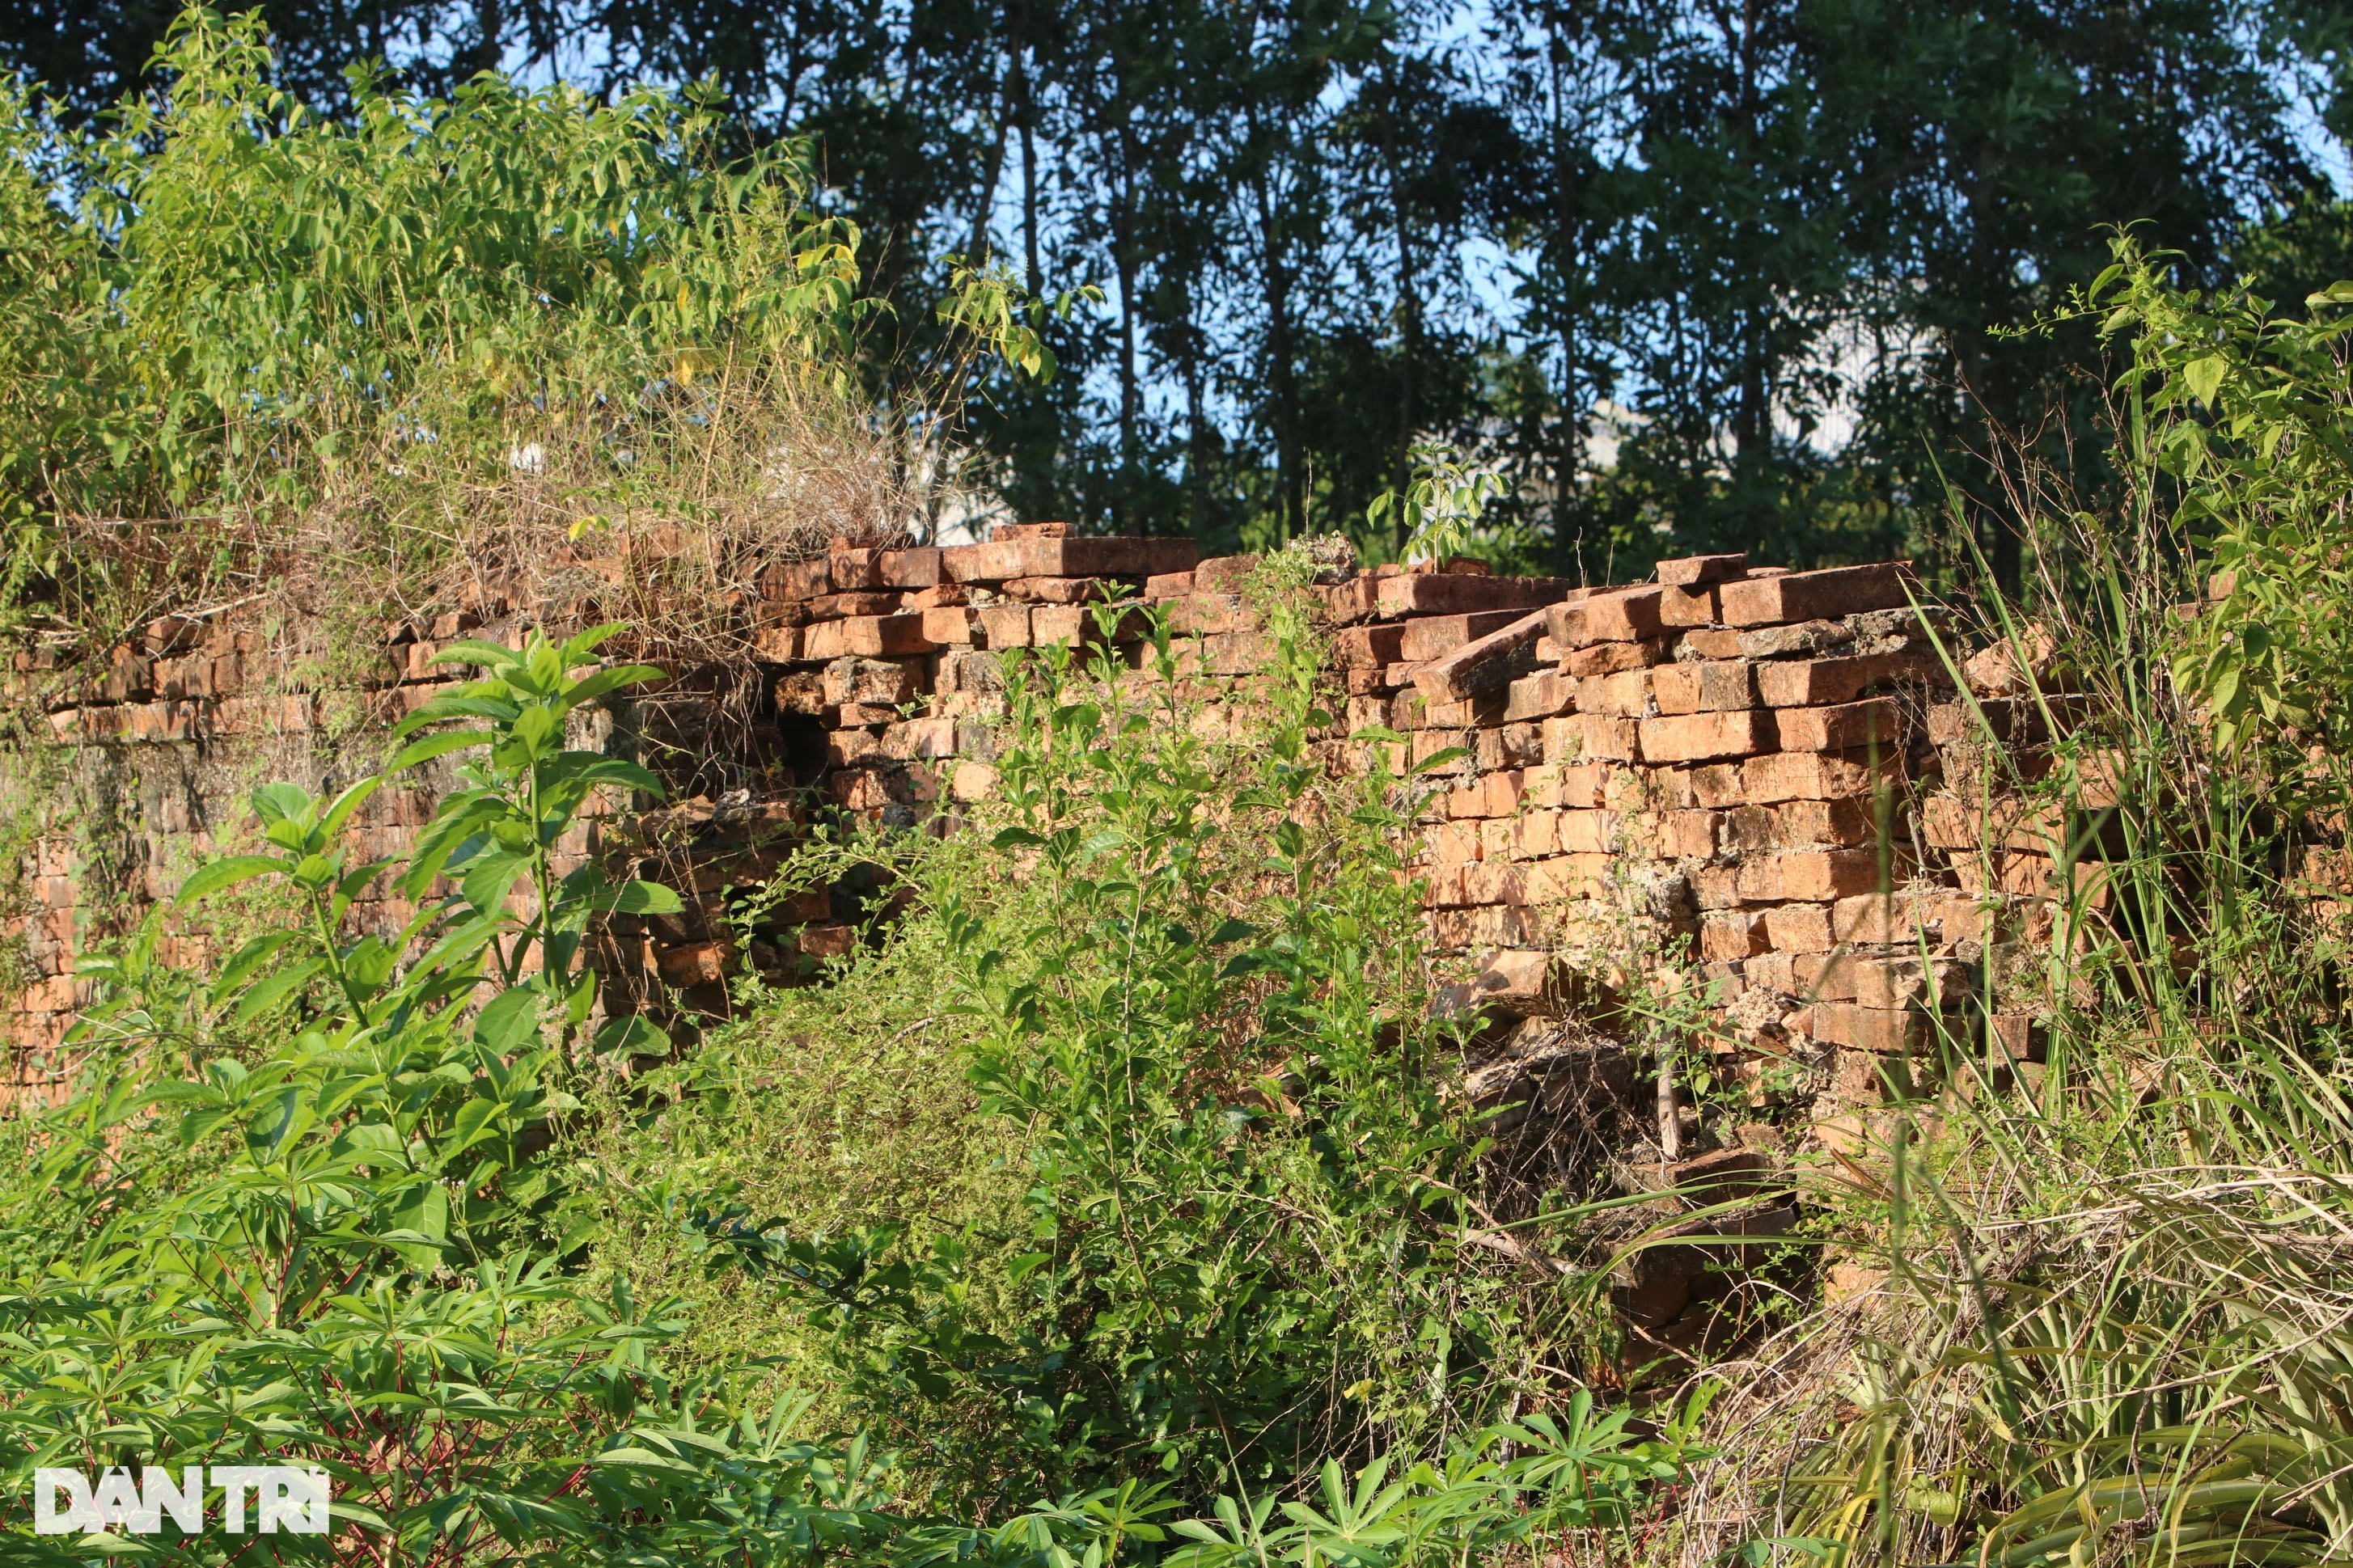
(1725, 934)
(872, 636)
(1688, 835)
(914, 738)
(1059, 591)
(1851, 726)
(1168, 586)
(1686, 607)
(1693, 569)
(950, 627)
(1886, 1032)
(1430, 637)
(1587, 832)
(1223, 573)
(851, 570)
(1204, 614)
(778, 645)
(1875, 918)
(1485, 664)
(1609, 657)
(1540, 696)
(1759, 601)
(1697, 737)
(1001, 561)
(917, 568)
(1811, 775)
(1451, 593)
(1811, 682)
(1707, 686)
(1611, 614)
(1823, 874)
(1800, 927)
(1358, 648)
(1003, 626)
(1708, 642)
(1626, 695)
(861, 602)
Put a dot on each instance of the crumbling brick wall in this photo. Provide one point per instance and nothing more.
(1729, 780)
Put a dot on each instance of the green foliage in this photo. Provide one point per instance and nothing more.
(1190, 978)
(2113, 1325)
(364, 1272)
(244, 302)
(2246, 415)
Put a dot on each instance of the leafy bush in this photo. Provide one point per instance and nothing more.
(246, 351)
(2111, 1319)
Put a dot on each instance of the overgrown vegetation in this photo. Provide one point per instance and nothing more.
(2112, 1320)
(513, 344)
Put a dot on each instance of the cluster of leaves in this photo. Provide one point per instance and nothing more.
(1203, 1000)
(242, 297)
(360, 1265)
(2246, 413)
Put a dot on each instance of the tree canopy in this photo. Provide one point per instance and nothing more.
(1687, 274)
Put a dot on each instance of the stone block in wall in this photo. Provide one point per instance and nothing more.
(1715, 887)
(1813, 596)
(852, 569)
(881, 681)
(777, 645)
(1702, 737)
(1813, 876)
(1589, 831)
(848, 748)
(1814, 682)
(912, 739)
(1358, 648)
(1223, 573)
(972, 781)
(1906, 982)
(1003, 626)
(1167, 585)
(1877, 918)
(1134, 560)
(1610, 615)
(1706, 643)
(1058, 590)
(1568, 785)
(1203, 614)
(1800, 825)
(1690, 833)
(1426, 744)
(950, 625)
(796, 579)
(1800, 640)
(1705, 687)
(1451, 593)
(1596, 737)
(1485, 664)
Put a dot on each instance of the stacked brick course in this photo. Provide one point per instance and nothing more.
(1733, 773)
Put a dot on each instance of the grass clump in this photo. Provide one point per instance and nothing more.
(2107, 1315)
